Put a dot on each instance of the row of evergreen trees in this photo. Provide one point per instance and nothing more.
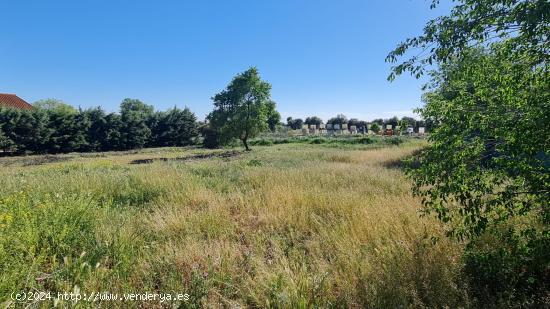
(55, 127)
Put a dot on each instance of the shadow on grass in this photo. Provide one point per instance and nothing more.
(410, 162)
(202, 156)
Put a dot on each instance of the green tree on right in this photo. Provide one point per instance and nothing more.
(486, 171)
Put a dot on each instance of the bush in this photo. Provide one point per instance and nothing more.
(261, 142)
(510, 269)
(395, 141)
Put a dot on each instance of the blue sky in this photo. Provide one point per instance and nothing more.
(321, 57)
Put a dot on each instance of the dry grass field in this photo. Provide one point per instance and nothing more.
(283, 226)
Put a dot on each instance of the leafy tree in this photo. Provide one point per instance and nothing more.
(241, 110)
(407, 121)
(273, 116)
(135, 133)
(313, 120)
(491, 145)
(54, 105)
(523, 24)
(487, 168)
(359, 124)
(394, 121)
(294, 124)
(339, 119)
(6, 144)
(211, 136)
(353, 122)
(490, 155)
(379, 121)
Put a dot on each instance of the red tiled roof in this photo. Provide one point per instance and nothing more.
(11, 100)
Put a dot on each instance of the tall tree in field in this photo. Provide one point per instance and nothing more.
(486, 172)
(241, 110)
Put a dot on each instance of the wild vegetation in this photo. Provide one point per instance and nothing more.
(290, 225)
(55, 127)
(302, 221)
(486, 172)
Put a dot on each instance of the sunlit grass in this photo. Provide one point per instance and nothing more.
(290, 225)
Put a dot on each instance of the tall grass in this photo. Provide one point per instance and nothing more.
(288, 225)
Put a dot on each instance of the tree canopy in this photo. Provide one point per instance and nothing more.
(487, 167)
(523, 24)
(241, 110)
(54, 127)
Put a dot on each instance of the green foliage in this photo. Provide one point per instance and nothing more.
(313, 120)
(27, 129)
(375, 127)
(41, 237)
(241, 110)
(54, 105)
(273, 116)
(509, 269)
(488, 163)
(55, 127)
(339, 119)
(490, 149)
(335, 141)
(68, 130)
(210, 137)
(524, 24)
(176, 128)
(98, 130)
(294, 124)
(135, 132)
(6, 144)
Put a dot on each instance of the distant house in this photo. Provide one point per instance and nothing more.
(13, 101)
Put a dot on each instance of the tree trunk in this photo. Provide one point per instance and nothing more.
(245, 144)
